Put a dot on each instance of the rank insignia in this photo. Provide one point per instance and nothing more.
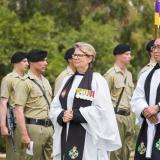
(141, 148)
(158, 144)
(73, 153)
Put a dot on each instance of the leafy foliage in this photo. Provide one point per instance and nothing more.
(57, 25)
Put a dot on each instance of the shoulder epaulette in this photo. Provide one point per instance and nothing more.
(110, 70)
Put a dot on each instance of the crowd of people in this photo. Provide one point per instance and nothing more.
(89, 116)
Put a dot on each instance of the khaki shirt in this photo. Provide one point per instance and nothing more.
(59, 80)
(29, 96)
(8, 86)
(151, 64)
(115, 78)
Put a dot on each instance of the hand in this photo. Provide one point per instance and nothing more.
(4, 131)
(26, 140)
(153, 119)
(150, 111)
(68, 116)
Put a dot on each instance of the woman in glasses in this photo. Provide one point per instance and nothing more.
(82, 113)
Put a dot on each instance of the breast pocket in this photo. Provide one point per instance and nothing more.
(130, 88)
(117, 88)
(35, 94)
(35, 99)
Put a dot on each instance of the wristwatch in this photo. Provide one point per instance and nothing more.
(158, 106)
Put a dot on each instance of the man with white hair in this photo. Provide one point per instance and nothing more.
(146, 104)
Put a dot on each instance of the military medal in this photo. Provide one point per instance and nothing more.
(85, 94)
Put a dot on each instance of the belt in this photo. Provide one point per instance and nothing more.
(122, 112)
(42, 122)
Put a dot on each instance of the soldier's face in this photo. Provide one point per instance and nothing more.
(156, 50)
(23, 65)
(40, 66)
(124, 58)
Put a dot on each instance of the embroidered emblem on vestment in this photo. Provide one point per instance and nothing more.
(141, 148)
(73, 153)
(158, 144)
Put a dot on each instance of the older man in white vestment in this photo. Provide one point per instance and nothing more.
(146, 104)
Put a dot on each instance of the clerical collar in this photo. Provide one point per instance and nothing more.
(157, 66)
(81, 74)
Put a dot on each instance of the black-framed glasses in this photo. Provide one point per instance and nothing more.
(79, 55)
(155, 47)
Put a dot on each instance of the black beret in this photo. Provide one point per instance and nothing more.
(149, 45)
(36, 55)
(121, 48)
(69, 53)
(18, 56)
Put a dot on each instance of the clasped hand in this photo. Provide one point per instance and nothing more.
(150, 113)
(68, 116)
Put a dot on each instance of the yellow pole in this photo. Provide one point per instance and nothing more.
(156, 31)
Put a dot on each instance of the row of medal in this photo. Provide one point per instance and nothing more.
(85, 94)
